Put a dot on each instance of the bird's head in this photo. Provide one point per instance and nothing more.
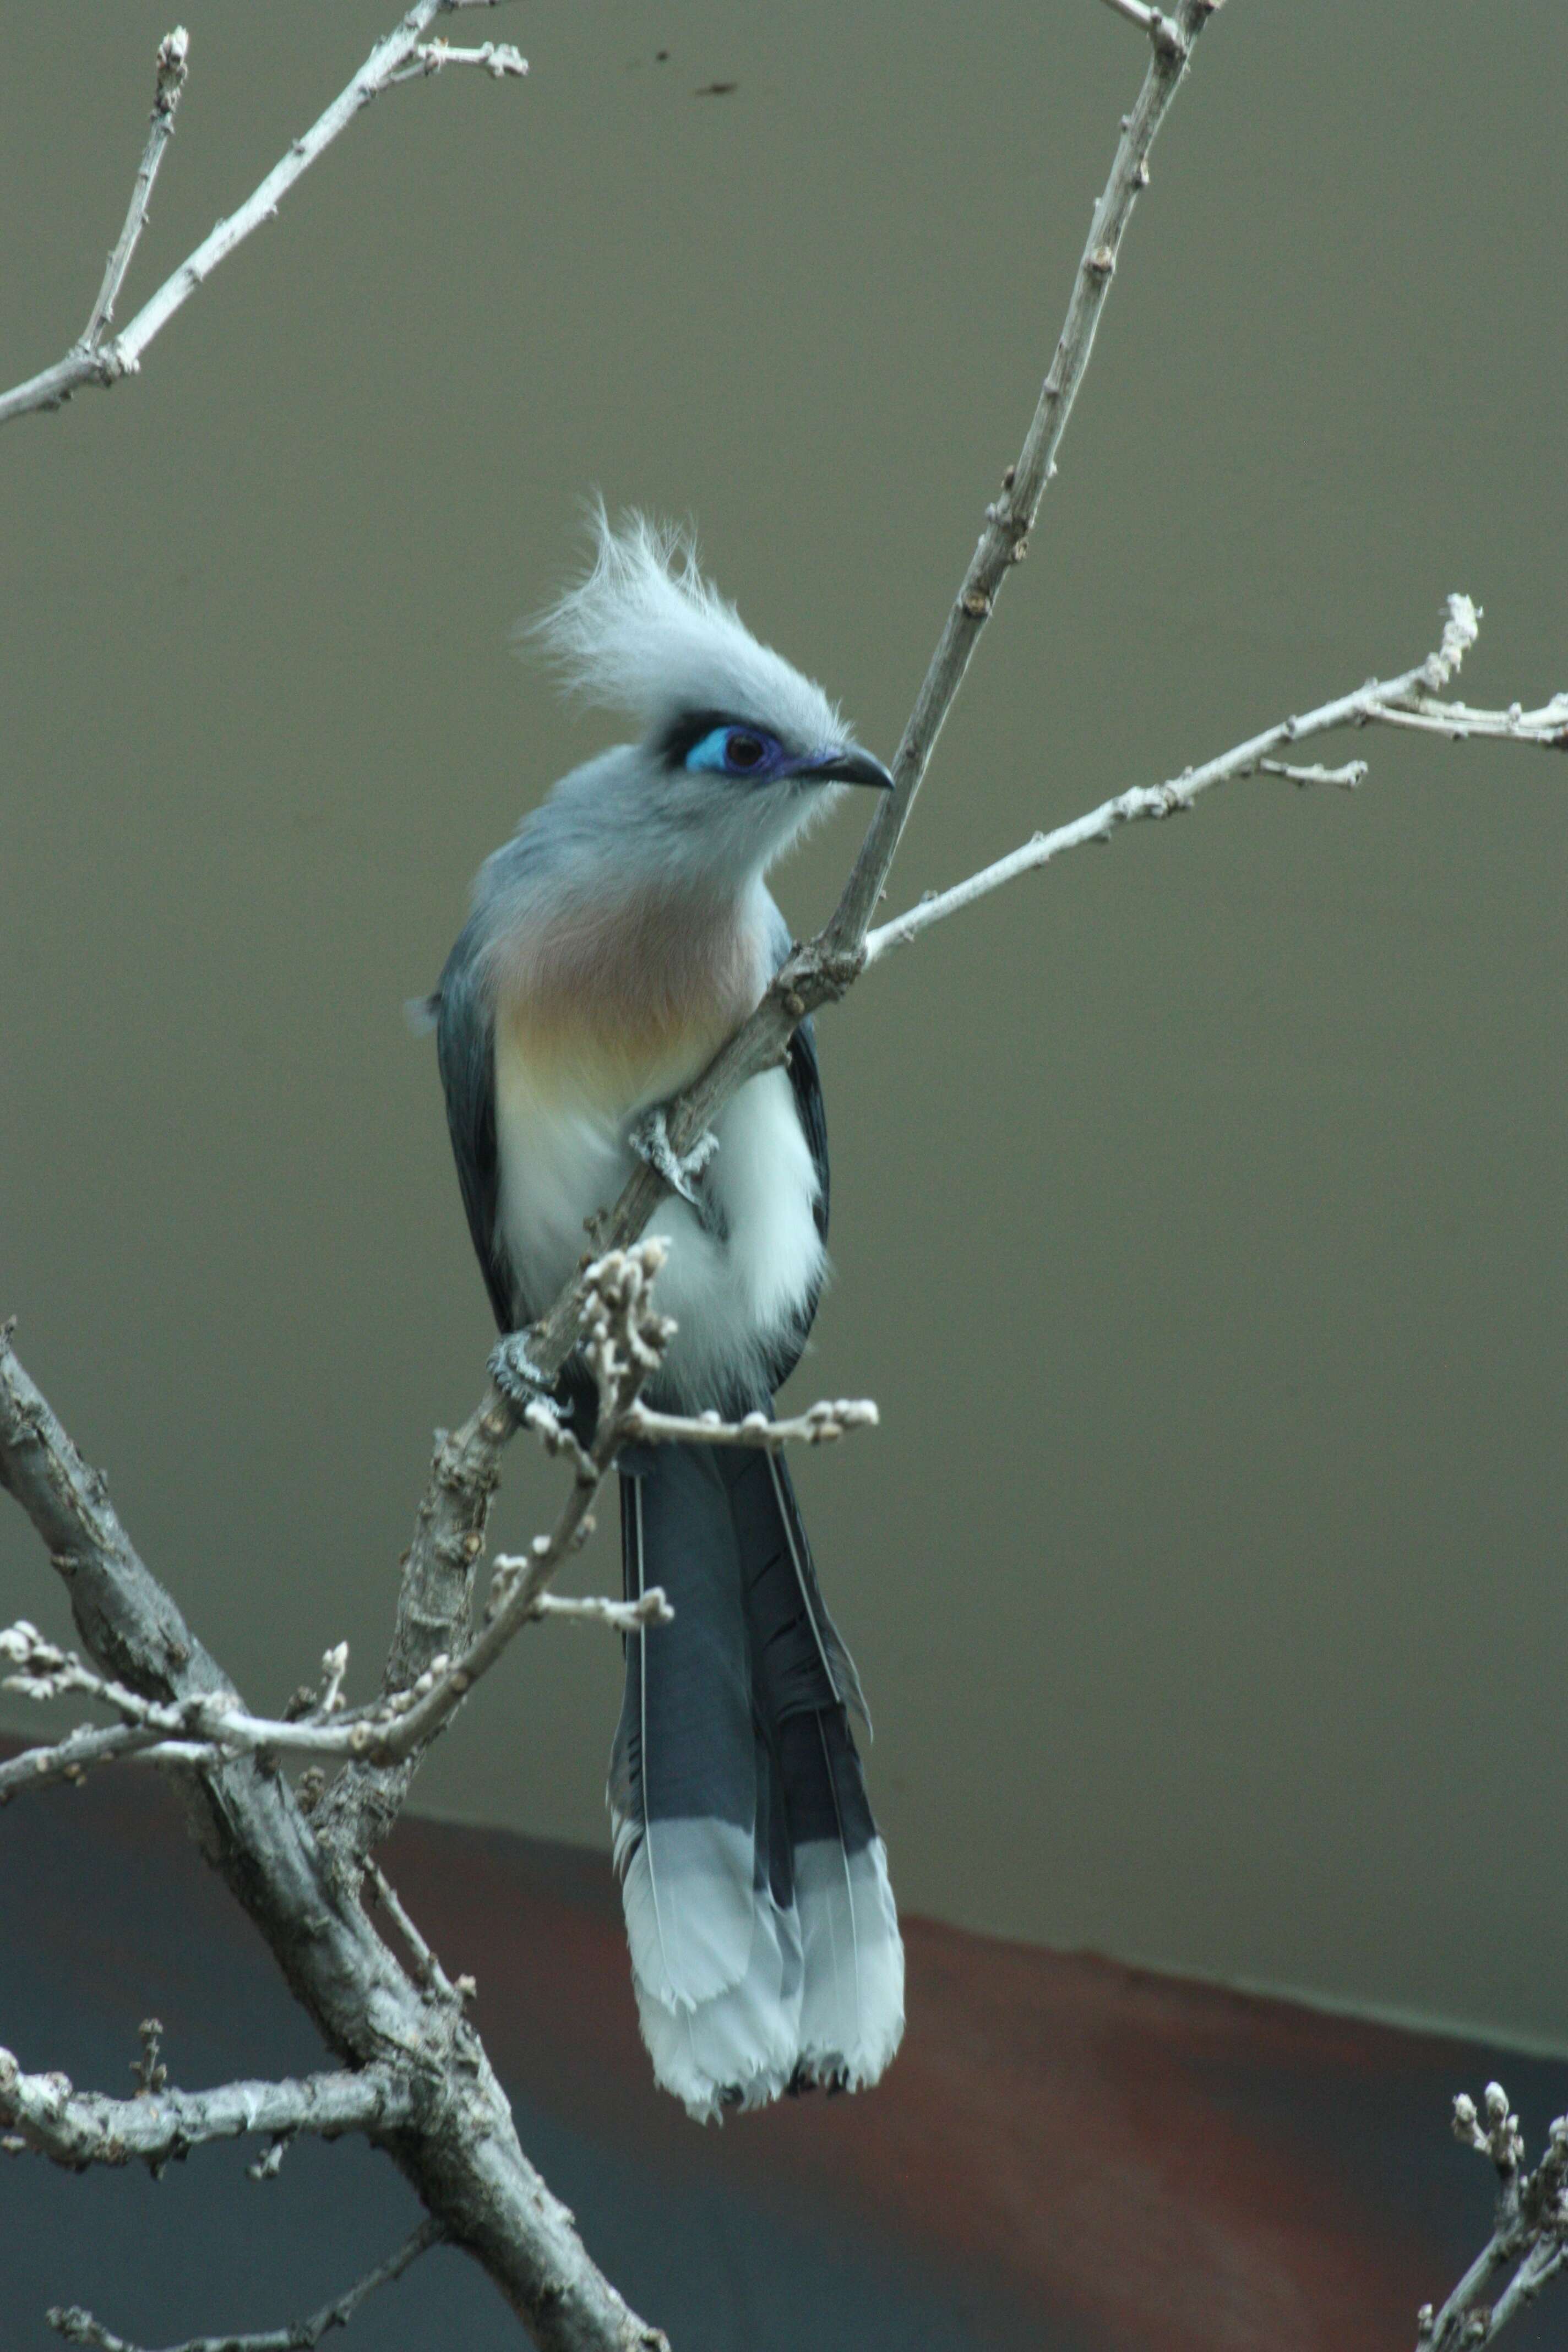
(739, 752)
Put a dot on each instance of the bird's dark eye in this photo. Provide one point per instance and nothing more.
(726, 747)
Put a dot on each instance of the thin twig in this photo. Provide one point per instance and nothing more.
(820, 1424)
(1354, 774)
(596, 1608)
(1544, 2261)
(174, 50)
(427, 1968)
(1547, 727)
(79, 2326)
(432, 1616)
(74, 1757)
(200, 1729)
(101, 359)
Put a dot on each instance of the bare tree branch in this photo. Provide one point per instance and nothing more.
(626, 1339)
(99, 358)
(1410, 699)
(1529, 2240)
(1012, 516)
(79, 2326)
(204, 1732)
(43, 2112)
(460, 2152)
(126, 1619)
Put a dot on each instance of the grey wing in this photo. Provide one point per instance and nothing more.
(805, 1078)
(465, 1048)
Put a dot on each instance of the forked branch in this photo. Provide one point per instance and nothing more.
(1412, 699)
(97, 357)
(626, 1339)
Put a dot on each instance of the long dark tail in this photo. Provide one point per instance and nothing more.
(766, 1948)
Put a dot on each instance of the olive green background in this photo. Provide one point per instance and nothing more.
(1198, 1205)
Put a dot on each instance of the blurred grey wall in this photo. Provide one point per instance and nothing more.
(1197, 1206)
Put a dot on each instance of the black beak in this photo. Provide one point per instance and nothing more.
(838, 766)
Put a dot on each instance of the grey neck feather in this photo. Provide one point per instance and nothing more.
(623, 821)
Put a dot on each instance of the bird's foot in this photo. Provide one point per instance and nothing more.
(520, 1380)
(650, 1141)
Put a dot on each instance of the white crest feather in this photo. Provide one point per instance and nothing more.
(645, 633)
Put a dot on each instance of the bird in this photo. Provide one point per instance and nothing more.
(615, 941)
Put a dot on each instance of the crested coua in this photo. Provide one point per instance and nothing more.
(616, 940)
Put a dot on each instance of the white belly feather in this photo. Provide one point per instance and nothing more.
(561, 1133)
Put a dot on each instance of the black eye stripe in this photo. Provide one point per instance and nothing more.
(683, 735)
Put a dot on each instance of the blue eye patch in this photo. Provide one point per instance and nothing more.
(733, 750)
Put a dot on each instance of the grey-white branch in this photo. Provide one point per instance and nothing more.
(1415, 698)
(101, 357)
(1529, 2242)
(72, 2127)
(414, 2075)
(413, 2078)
